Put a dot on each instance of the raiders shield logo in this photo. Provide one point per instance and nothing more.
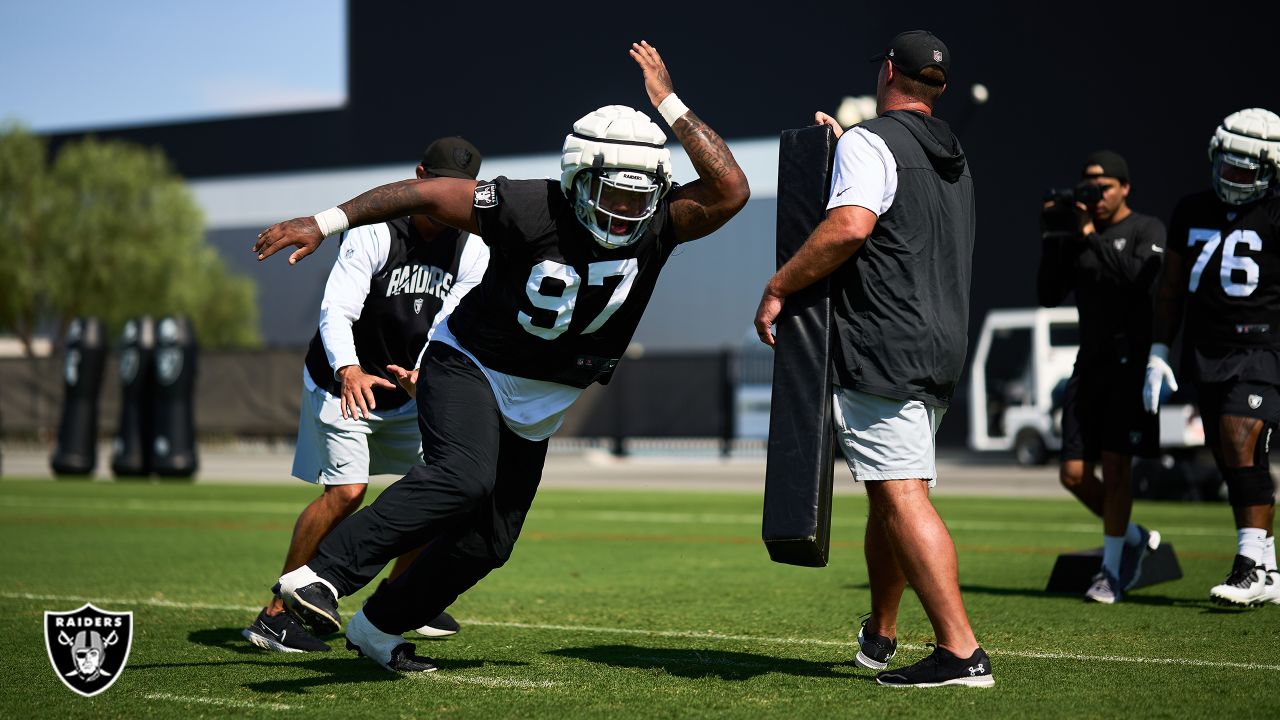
(1119, 243)
(1255, 401)
(88, 647)
(417, 306)
(486, 196)
(1135, 437)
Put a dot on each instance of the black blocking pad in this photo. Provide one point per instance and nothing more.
(1073, 572)
(798, 474)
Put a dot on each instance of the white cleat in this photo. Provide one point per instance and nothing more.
(1245, 585)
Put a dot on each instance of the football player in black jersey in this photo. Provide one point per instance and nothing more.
(572, 266)
(1110, 255)
(1224, 267)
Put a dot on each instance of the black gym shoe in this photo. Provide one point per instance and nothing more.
(942, 668)
(315, 605)
(282, 633)
(874, 651)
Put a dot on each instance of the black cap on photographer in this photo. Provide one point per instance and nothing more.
(1113, 166)
(452, 157)
(915, 50)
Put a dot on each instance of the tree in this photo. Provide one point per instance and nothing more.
(112, 231)
(25, 209)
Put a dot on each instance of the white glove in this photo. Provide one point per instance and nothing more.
(1158, 374)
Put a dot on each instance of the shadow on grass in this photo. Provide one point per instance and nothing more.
(331, 668)
(688, 663)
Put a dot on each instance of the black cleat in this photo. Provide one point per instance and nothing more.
(403, 659)
(315, 606)
(282, 633)
(942, 668)
(874, 651)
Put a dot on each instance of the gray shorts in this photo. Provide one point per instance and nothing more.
(333, 450)
(886, 439)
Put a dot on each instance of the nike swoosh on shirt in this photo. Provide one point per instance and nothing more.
(843, 192)
(1157, 248)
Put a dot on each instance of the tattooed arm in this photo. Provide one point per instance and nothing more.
(720, 191)
(447, 200)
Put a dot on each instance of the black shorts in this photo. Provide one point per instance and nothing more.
(1102, 411)
(1236, 381)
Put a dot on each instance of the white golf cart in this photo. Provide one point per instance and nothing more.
(1017, 379)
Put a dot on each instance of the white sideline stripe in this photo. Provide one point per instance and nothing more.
(220, 702)
(684, 634)
(612, 516)
(485, 681)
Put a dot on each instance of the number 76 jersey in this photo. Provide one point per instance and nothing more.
(1231, 254)
(554, 304)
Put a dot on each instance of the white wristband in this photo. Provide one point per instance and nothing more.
(672, 109)
(1160, 350)
(332, 221)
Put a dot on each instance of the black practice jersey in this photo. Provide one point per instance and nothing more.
(1231, 260)
(1113, 273)
(404, 296)
(554, 304)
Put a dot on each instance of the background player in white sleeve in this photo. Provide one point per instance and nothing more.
(390, 287)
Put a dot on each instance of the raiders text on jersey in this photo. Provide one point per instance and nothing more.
(420, 280)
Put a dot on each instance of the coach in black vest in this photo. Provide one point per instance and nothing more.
(898, 244)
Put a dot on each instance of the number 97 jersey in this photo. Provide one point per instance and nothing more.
(1231, 254)
(554, 304)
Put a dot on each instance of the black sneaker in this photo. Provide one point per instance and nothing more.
(314, 605)
(874, 651)
(403, 659)
(282, 633)
(942, 668)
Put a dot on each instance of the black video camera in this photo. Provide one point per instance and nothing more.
(1059, 218)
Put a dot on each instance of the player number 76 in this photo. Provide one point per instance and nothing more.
(1230, 261)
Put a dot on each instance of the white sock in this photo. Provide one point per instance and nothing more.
(1252, 543)
(303, 577)
(1112, 549)
(1132, 535)
(1269, 554)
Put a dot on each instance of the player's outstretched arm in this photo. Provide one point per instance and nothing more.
(448, 200)
(720, 191)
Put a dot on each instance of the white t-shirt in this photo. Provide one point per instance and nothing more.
(865, 172)
(532, 409)
(364, 251)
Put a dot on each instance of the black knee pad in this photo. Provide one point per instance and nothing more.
(1250, 486)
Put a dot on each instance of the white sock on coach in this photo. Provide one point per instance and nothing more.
(1112, 549)
(1132, 535)
(1269, 553)
(1252, 543)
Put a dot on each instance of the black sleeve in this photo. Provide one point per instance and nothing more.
(511, 211)
(1138, 262)
(1053, 278)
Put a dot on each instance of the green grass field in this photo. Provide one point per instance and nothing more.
(621, 604)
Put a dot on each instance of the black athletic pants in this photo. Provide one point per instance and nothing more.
(468, 502)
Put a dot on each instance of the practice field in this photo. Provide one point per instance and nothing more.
(621, 604)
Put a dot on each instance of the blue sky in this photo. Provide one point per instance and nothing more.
(69, 64)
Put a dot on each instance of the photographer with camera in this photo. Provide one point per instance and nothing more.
(1095, 244)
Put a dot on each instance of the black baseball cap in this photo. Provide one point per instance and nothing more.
(1112, 164)
(452, 157)
(915, 50)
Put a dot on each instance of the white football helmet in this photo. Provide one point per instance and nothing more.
(1245, 150)
(614, 169)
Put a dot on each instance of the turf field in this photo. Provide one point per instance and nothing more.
(621, 604)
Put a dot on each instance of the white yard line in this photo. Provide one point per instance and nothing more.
(683, 634)
(220, 702)
(609, 516)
